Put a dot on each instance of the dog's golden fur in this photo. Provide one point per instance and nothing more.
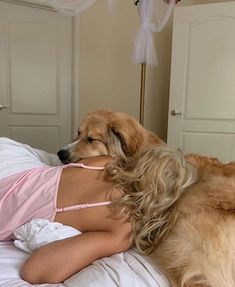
(194, 216)
(105, 132)
(200, 249)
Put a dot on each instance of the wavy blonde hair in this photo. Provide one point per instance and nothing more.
(152, 186)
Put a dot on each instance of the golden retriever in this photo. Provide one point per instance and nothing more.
(191, 216)
(105, 132)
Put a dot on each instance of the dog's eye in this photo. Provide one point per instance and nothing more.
(90, 139)
(78, 133)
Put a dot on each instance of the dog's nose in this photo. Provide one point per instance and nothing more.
(63, 155)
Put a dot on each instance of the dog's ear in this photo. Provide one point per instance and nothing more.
(130, 137)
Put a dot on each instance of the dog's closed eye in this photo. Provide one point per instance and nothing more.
(91, 139)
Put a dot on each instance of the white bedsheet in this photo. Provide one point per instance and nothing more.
(18, 157)
(128, 269)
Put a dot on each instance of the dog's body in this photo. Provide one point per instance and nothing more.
(105, 132)
(199, 251)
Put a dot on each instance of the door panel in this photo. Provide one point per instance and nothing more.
(34, 55)
(202, 88)
(211, 67)
(35, 76)
(222, 144)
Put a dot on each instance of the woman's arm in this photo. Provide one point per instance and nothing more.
(57, 261)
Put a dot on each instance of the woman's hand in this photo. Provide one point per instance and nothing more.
(57, 261)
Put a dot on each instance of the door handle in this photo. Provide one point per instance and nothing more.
(175, 113)
(3, 107)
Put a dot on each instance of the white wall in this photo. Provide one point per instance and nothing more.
(107, 76)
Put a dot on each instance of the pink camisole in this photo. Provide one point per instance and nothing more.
(32, 194)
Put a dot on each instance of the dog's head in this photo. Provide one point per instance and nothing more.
(106, 132)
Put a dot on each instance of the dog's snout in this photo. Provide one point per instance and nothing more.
(63, 155)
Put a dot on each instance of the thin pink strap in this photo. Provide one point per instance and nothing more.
(86, 166)
(82, 206)
(86, 205)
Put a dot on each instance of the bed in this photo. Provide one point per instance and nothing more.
(123, 269)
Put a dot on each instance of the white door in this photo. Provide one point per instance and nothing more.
(202, 92)
(35, 76)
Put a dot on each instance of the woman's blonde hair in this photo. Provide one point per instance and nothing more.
(152, 185)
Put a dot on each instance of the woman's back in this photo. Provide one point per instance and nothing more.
(80, 186)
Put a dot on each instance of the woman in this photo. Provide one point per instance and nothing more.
(58, 194)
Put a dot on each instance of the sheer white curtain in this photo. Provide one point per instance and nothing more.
(154, 15)
(76, 7)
